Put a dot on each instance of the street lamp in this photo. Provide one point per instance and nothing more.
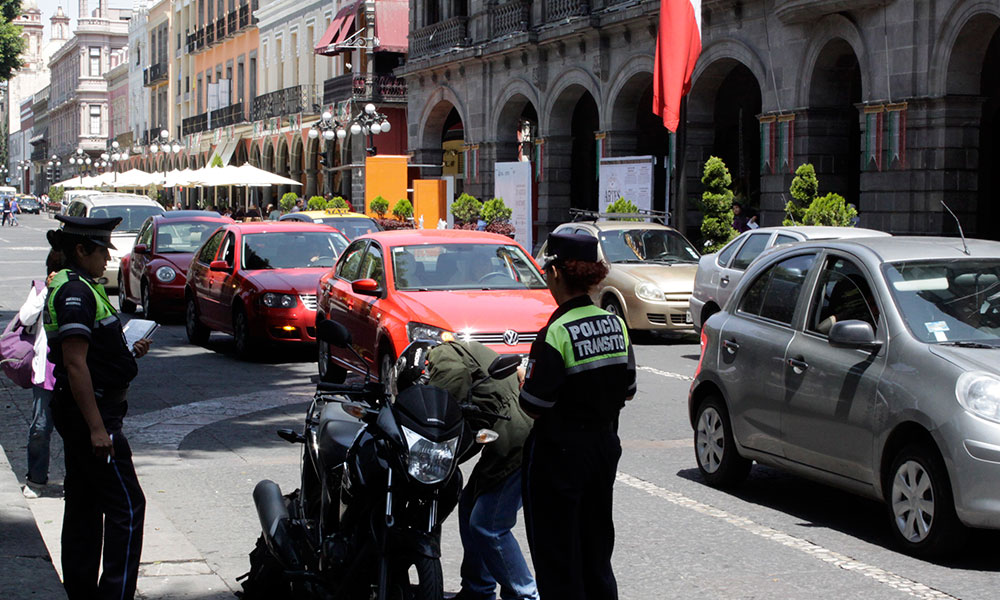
(24, 166)
(368, 122)
(82, 162)
(165, 147)
(54, 171)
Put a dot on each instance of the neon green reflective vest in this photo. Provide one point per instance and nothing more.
(105, 311)
(588, 338)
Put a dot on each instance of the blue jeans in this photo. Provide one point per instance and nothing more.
(492, 555)
(39, 434)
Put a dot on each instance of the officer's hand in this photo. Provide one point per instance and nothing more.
(101, 442)
(141, 347)
(521, 371)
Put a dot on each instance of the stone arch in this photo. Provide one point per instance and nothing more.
(723, 54)
(281, 164)
(295, 158)
(569, 124)
(255, 155)
(240, 157)
(951, 40)
(624, 92)
(829, 29)
(267, 158)
(567, 90)
(436, 112)
(315, 172)
(509, 104)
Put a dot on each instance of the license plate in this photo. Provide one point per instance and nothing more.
(687, 318)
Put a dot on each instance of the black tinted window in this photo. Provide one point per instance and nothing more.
(347, 268)
(751, 250)
(209, 249)
(843, 294)
(775, 292)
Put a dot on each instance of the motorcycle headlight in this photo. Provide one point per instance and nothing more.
(979, 393)
(166, 274)
(648, 291)
(429, 462)
(274, 300)
(419, 331)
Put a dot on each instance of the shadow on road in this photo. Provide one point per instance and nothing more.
(663, 338)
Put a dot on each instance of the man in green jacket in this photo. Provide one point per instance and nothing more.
(490, 501)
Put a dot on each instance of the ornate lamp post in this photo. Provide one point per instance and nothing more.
(24, 168)
(54, 170)
(165, 147)
(368, 122)
(82, 162)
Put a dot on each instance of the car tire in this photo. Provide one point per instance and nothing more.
(385, 364)
(329, 372)
(613, 306)
(246, 345)
(124, 304)
(920, 504)
(715, 450)
(147, 304)
(197, 333)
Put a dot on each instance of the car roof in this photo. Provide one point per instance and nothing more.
(823, 232)
(402, 237)
(117, 200)
(616, 225)
(191, 214)
(322, 214)
(277, 226)
(896, 249)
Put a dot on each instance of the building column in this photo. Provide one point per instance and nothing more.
(310, 182)
(554, 187)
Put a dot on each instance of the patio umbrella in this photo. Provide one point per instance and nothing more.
(250, 175)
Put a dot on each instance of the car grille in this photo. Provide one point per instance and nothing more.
(678, 297)
(497, 338)
(656, 319)
(308, 300)
(677, 319)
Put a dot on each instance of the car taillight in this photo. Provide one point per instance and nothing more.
(704, 342)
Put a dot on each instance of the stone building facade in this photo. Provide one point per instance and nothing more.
(896, 103)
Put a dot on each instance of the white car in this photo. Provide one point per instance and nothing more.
(719, 273)
(132, 208)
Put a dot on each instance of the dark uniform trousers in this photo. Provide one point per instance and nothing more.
(100, 496)
(570, 474)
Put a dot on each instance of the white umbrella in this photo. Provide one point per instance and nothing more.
(250, 175)
(134, 178)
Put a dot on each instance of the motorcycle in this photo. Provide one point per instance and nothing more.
(374, 489)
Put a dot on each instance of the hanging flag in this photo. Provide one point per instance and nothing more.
(873, 137)
(475, 163)
(678, 44)
(599, 139)
(897, 135)
(466, 150)
(767, 144)
(539, 168)
(786, 143)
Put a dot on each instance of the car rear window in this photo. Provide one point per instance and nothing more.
(132, 216)
(751, 250)
(352, 227)
(184, 236)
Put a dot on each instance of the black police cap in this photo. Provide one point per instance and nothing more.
(94, 229)
(569, 246)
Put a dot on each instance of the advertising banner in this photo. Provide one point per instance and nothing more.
(513, 184)
(629, 177)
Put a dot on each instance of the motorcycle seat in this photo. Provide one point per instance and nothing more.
(336, 434)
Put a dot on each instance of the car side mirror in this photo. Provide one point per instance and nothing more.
(366, 287)
(853, 334)
(332, 332)
(504, 366)
(218, 265)
(141, 249)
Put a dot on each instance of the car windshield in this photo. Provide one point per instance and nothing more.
(647, 245)
(182, 236)
(132, 216)
(949, 301)
(464, 267)
(292, 249)
(352, 227)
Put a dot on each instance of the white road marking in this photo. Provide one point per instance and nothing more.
(667, 374)
(896, 582)
(25, 248)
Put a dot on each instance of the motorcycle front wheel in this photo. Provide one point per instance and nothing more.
(429, 584)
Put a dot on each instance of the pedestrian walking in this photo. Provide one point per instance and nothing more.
(42, 379)
(5, 207)
(104, 504)
(580, 373)
(15, 208)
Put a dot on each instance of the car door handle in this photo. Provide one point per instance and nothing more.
(724, 281)
(731, 346)
(799, 366)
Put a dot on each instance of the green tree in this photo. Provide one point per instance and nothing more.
(379, 206)
(288, 201)
(217, 161)
(804, 188)
(12, 45)
(337, 202)
(316, 203)
(830, 209)
(56, 193)
(621, 205)
(717, 205)
(403, 209)
(494, 210)
(466, 209)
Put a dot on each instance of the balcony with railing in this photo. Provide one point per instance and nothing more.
(209, 34)
(364, 88)
(220, 28)
(152, 136)
(194, 124)
(305, 99)
(244, 18)
(154, 74)
(557, 10)
(227, 116)
(510, 18)
(439, 37)
(232, 22)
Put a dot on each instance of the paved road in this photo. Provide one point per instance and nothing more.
(202, 424)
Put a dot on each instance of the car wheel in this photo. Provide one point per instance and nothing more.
(124, 304)
(921, 507)
(614, 307)
(328, 371)
(196, 332)
(147, 304)
(718, 460)
(385, 364)
(245, 343)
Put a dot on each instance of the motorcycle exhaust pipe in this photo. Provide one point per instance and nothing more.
(276, 523)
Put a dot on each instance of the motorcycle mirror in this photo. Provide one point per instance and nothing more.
(332, 332)
(504, 366)
(485, 436)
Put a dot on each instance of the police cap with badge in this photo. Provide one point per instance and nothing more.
(97, 230)
(561, 247)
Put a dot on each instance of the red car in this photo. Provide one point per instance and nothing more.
(257, 281)
(154, 274)
(392, 287)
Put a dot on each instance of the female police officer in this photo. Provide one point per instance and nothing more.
(580, 373)
(93, 367)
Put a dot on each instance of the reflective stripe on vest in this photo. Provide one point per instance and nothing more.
(588, 338)
(106, 313)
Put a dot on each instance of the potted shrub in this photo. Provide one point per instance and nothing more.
(288, 201)
(717, 205)
(497, 216)
(316, 203)
(337, 202)
(465, 209)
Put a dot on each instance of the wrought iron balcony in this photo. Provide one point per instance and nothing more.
(220, 28)
(244, 11)
(510, 17)
(448, 34)
(209, 34)
(557, 10)
(191, 42)
(304, 99)
(194, 124)
(365, 88)
(227, 116)
(154, 73)
(232, 20)
(152, 136)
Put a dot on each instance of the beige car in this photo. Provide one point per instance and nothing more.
(652, 272)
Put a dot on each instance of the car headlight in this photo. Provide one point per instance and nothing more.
(979, 393)
(419, 331)
(166, 274)
(428, 462)
(648, 291)
(274, 300)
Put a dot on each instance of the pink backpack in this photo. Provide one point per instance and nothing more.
(17, 350)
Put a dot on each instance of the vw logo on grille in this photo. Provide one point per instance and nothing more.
(510, 337)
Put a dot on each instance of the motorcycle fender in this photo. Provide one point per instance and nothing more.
(405, 540)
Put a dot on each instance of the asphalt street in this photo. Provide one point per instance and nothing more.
(202, 426)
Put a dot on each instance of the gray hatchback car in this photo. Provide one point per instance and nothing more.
(870, 364)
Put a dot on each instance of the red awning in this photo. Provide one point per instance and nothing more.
(392, 25)
(339, 30)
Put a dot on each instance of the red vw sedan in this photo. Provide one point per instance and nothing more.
(154, 274)
(392, 287)
(257, 281)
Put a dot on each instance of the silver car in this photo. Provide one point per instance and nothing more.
(870, 364)
(719, 272)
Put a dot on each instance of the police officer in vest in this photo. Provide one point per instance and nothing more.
(93, 367)
(579, 375)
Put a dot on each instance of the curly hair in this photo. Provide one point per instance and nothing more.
(582, 275)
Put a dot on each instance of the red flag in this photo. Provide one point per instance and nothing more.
(678, 45)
